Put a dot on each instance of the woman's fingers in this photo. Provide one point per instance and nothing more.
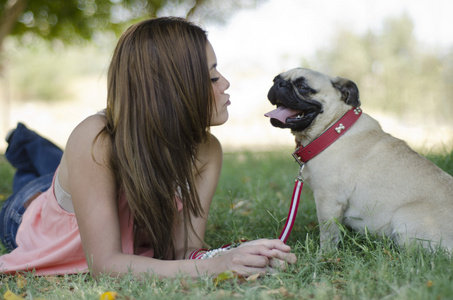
(258, 254)
(284, 255)
(271, 244)
(249, 257)
(278, 264)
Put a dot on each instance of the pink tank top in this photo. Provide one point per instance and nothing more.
(49, 242)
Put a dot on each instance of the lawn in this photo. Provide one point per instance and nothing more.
(251, 202)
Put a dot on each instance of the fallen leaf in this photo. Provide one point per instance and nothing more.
(227, 275)
(239, 204)
(8, 295)
(254, 277)
(52, 279)
(184, 284)
(281, 291)
(224, 276)
(21, 281)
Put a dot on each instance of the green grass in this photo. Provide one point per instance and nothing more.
(251, 202)
(6, 178)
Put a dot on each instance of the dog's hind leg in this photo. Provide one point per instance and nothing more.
(424, 230)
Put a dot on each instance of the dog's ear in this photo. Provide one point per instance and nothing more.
(349, 91)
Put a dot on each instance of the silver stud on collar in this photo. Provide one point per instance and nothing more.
(357, 110)
(340, 128)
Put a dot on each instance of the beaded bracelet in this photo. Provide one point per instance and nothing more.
(214, 253)
(234, 245)
(204, 253)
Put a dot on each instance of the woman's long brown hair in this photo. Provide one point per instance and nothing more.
(159, 106)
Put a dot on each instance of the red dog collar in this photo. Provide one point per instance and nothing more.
(304, 154)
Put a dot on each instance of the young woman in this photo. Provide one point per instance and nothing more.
(133, 189)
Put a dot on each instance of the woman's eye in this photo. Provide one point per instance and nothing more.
(215, 79)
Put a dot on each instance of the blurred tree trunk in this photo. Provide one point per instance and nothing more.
(13, 9)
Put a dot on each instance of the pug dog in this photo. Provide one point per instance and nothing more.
(367, 179)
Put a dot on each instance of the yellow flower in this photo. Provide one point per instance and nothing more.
(108, 296)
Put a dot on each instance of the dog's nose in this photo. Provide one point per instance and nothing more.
(275, 90)
(281, 83)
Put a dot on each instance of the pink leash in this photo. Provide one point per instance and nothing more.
(294, 204)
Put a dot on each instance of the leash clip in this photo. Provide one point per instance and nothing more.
(300, 177)
(297, 157)
(301, 163)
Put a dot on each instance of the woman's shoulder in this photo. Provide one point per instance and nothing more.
(93, 123)
(210, 152)
(86, 137)
(211, 147)
(84, 146)
(214, 142)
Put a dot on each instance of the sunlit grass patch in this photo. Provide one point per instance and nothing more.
(252, 201)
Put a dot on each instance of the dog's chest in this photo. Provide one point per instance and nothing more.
(335, 192)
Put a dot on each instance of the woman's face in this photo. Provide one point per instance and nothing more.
(219, 86)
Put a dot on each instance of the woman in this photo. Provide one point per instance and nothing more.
(135, 183)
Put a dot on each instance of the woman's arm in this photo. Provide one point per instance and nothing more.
(250, 257)
(94, 193)
(91, 184)
(208, 168)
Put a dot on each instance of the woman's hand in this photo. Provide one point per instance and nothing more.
(259, 256)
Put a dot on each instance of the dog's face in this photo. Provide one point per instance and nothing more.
(303, 95)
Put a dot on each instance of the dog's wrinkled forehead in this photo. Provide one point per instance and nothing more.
(314, 79)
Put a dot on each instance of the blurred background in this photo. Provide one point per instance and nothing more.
(54, 57)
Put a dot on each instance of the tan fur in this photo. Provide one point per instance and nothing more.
(370, 180)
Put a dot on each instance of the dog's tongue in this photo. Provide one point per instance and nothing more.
(281, 113)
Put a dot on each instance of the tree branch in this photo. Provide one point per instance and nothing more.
(197, 5)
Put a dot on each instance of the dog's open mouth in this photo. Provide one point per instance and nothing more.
(285, 114)
(286, 117)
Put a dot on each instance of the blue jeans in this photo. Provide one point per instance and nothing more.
(36, 160)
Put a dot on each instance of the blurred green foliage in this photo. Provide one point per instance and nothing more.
(6, 179)
(41, 57)
(47, 72)
(74, 21)
(396, 73)
(393, 70)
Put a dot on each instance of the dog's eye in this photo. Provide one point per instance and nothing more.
(304, 88)
(301, 86)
